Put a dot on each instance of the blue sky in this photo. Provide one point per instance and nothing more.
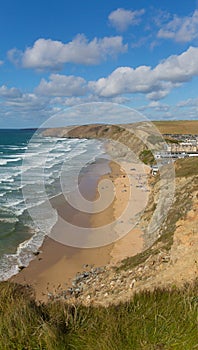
(58, 54)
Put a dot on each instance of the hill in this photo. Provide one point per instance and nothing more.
(177, 127)
(101, 130)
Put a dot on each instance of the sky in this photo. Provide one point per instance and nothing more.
(58, 54)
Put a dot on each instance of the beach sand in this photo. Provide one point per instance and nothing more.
(54, 268)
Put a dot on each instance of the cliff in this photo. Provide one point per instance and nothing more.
(170, 261)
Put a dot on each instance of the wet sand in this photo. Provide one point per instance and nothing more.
(57, 264)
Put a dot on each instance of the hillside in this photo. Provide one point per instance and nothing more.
(159, 320)
(170, 261)
(177, 127)
(98, 130)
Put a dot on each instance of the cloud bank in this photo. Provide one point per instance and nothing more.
(51, 54)
(156, 83)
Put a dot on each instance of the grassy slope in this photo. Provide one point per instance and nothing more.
(177, 126)
(158, 320)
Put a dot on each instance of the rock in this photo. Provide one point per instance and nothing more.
(36, 253)
(132, 283)
(85, 274)
(85, 266)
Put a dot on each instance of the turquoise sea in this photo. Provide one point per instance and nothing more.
(19, 238)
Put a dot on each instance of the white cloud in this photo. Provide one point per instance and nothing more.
(1, 62)
(60, 91)
(121, 19)
(28, 102)
(179, 68)
(160, 17)
(50, 54)
(126, 80)
(62, 85)
(156, 83)
(181, 29)
(190, 102)
(9, 93)
(157, 106)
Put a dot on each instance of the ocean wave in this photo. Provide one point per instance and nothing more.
(10, 263)
(14, 203)
(5, 161)
(7, 179)
(54, 153)
(14, 148)
(3, 194)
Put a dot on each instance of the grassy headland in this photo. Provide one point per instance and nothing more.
(177, 126)
(162, 319)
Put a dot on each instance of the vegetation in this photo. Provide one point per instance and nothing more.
(187, 167)
(146, 156)
(171, 140)
(184, 167)
(177, 126)
(163, 319)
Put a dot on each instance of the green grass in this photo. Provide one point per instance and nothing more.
(171, 140)
(152, 320)
(146, 156)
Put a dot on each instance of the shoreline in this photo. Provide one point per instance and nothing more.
(54, 268)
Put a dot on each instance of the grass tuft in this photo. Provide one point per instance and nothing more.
(162, 319)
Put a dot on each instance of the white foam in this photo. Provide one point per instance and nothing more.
(54, 153)
(8, 179)
(15, 148)
(2, 194)
(13, 203)
(5, 161)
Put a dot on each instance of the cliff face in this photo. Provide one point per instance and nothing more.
(164, 127)
(170, 261)
(124, 137)
(136, 137)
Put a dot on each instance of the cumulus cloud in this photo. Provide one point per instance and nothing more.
(9, 93)
(125, 80)
(62, 85)
(179, 68)
(181, 29)
(156, 83)
(67, 90)
(51, 54)
(121, 19)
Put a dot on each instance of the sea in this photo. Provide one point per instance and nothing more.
(22, 153)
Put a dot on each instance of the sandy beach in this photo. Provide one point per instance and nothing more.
(54, 268)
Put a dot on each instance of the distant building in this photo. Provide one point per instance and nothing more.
(154, 170)
(184, 147)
